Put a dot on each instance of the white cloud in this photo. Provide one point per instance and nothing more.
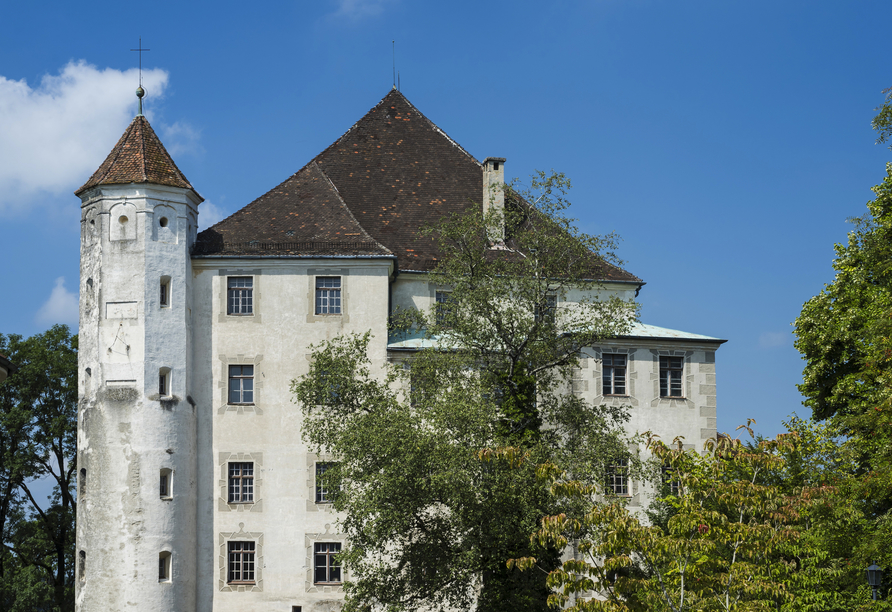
(357, 9)
(182, 138)
(54, 136)
(61, 307)
(209, 214)
(773, 339)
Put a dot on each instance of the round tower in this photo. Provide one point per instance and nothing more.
(136, 521)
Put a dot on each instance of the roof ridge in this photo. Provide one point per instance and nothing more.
(347, 208)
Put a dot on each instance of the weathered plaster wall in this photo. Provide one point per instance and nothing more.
(127, 432)
(284, 519)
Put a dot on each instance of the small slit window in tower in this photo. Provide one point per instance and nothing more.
(164, 567)
(81, 565)
(164, 382)
(164, 298)
(165, 485)
(82, 485)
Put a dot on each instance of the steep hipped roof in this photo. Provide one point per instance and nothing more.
(139, 157)
(394, 171)
(305, 215)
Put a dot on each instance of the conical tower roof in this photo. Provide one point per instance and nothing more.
(139, 157)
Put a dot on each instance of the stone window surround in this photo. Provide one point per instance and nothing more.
(631, 398)
(223, 560)
(312, 460)
(310, 540)
(223, 292)
(223, 385)
(687, 378)
(344, 273)
(223, 503)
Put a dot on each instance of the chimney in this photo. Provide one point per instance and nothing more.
(493, 190)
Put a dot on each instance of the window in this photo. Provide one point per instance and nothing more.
(241, 482)
(670, 482)
(164, 488)
(328, 295)
(241, 384)
(82, 488)
(618, 478)
(442, 307)
(545, 312)
(327, 570)
(671, 369)
(82, 566)
(164, 382)
(164, 567)
(326, 487)
(240, 295)
(614, 374)
(241, 562)
(164, 298)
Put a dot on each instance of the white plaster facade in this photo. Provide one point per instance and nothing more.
(130, 434)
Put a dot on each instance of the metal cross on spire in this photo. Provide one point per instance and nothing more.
(140, 92)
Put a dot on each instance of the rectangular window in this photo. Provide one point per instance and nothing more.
(241, 562)
(164, 567)
(241, 384)
(163, 383)
(241, 482)
(545, 312)
(618, 477)
(240, 295)
(164, 487)
(327, 570)
(328, 295)
(671, 369)
(670, 482)
(165, 293)
(614, 374)
(326, 487)
(442, 306)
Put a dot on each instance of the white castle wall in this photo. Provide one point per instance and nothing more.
(127, 432)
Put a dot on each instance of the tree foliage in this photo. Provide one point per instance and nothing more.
(38, 437)
(882, 123)
(432, 509)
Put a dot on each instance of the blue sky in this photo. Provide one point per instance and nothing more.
(727, 141)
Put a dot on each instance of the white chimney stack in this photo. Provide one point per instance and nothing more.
(494, 189)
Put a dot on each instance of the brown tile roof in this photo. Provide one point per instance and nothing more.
(305, 215)
(139, 157)
(394, 172)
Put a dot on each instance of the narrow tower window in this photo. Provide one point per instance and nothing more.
(165, 486)
(164, 567)
(164, 382)
(165, 292)
(82, 485)
(81, 565)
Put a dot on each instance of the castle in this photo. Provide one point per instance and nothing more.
(196, 492)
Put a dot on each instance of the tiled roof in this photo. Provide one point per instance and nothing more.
(305, 215)
(139, 157)
(394, 171)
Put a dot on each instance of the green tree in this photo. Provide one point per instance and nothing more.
(432, 511)
(722, 548)
(38, 437)
(882, 123)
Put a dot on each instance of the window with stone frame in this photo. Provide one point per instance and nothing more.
(617, 481)
(240, 562)
(326, 569)
(328, 295)
(327, 486)
(613, 374)
(240, 295)
(546, 312)
(241, 482)
(671, 373)
(671, 484)
(164, 560)
(441, 307)
(241, 384)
